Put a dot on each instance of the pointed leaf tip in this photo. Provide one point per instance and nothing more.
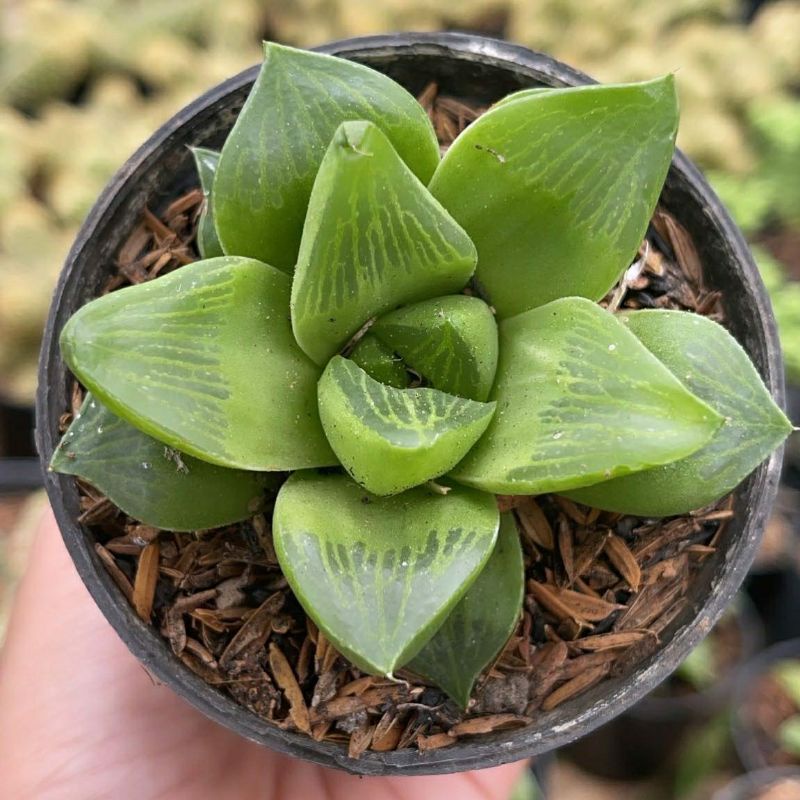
(712, 364)
(149, 481)
(168, 357)
(480, 624)
(374, 239)
(380, 581)
(272, 154)
(556, 187)
(580, 399)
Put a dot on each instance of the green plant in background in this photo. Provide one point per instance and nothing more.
(71, 70)
(345, 234)
(527, 788)
(787, 674)
(770, 193)
(699, 668)
(785, 297)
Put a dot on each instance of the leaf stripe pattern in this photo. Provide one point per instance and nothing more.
(378, 575)
(556, 188)
(710, 363)
(272, 154)
(374, 239)
(150, 482)
(450, 341)
(579, 400)
(392, 439)
(206, 162)
(204, 360)
(479, 626)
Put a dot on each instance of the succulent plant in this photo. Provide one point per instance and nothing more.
(408, 336)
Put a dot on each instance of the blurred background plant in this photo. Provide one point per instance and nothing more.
(84, 82)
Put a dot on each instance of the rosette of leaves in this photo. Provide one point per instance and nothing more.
(408, 336)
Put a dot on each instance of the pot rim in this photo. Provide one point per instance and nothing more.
(742, 787)
(744, 740)
(148, 646)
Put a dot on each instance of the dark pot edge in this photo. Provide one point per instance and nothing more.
(743, 739)
(702, 705)
(742, 787)
(461, 756)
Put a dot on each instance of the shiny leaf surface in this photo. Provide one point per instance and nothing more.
(204, 360)
(379, 575)
(712, 364)
(207, 240)
(556, 188)
(272, 154)
(450, 341)
(392, 439)
(580, 399)
(374, 239)
(151, 482)
(380, 362)
(479, 626)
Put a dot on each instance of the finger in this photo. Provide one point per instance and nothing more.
(79, 717)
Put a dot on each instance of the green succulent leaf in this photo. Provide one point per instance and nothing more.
(203, 359)
(580, 399)
(392, 439)
(711, 364)
(556, 188)
(151, 482)
(450, 341)
(523, 94)
(479, 626)
(207, 240)
(272, 154)
(374, 239)
(379, 575)
(380, 362)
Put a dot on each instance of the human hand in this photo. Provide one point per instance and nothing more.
(80, 719)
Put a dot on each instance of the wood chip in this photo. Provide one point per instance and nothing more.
(488, 724)
(387, 732)
(285, 678)
(174, 629)
(117, 575)
(565, 549)
(435, 741)
(571, 510)
(682, 246)
(534, 523)
(255, 632)
(610, 641)
(577, 664)
(572, 688)
(547, 597)
(144, 587)
(585, 607)
(360, 740)
(623, 560)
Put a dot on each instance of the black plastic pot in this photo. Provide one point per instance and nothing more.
(19, 468)
(647, 738)
(748, 741)
(481, 70)
(750, 786)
